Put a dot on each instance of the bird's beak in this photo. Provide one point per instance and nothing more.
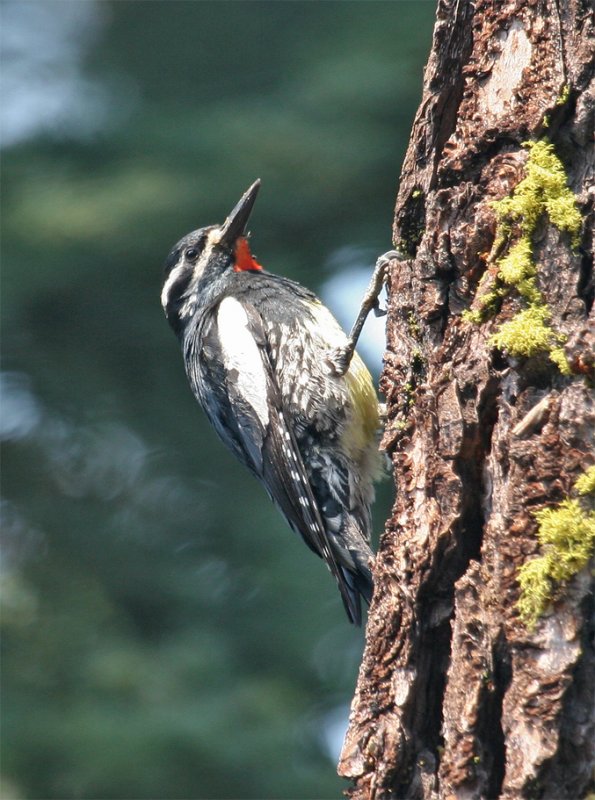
(235, 224)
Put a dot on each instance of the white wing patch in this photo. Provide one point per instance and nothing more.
(241, 353)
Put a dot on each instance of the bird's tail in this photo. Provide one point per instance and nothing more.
(357, 585)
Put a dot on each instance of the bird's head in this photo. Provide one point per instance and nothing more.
(199, 263)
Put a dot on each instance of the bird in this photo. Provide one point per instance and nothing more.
(284, 389)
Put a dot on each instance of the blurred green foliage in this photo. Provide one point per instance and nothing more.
(165, 635)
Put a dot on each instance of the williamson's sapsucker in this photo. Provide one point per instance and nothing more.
(260, 353)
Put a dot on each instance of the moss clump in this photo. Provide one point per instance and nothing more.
(536, 590)
(477, 315)
(487, 302)
(586, 483)
(413, 325)
(567, 534)
(474, 317)
(544, 190)
(564, 95)
(516, 268)
(527, 333)
(558, 356)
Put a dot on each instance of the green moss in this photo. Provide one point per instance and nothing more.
(542, 191)
(586, 483)
(570, 532)
(474, 317)
(558, 356)
(413, 325)
(527, 333)
(536, 590)
(564, 95)
(566, 533)
(518, 265)
(488, 302)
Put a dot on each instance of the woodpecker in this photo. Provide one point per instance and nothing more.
(281, 384)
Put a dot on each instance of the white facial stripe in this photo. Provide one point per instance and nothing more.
(198, 269)
(212, 239)
(172, 278)
(241, 353)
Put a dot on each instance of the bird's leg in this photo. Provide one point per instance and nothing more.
(340, 357)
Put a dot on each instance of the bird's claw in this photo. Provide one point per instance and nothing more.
(383, 263)
(340, 357)
(391, 255)
(379, 312)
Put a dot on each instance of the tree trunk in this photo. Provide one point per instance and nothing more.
(458, 695)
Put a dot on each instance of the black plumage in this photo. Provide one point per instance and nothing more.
(257, 349)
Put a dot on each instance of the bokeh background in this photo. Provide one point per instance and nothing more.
(165, 635)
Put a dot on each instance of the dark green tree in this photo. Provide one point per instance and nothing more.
(164, 635)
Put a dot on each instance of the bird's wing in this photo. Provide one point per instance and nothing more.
(245, 406)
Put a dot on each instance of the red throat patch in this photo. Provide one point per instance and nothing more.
(245, 261)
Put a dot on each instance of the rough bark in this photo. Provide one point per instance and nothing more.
(456, 697)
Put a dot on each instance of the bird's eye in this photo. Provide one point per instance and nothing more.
(191, 253)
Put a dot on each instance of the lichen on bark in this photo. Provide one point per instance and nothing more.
(542, 192)
(566, 532)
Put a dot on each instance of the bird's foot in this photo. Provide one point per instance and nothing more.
(381, 270)
(340, 357)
